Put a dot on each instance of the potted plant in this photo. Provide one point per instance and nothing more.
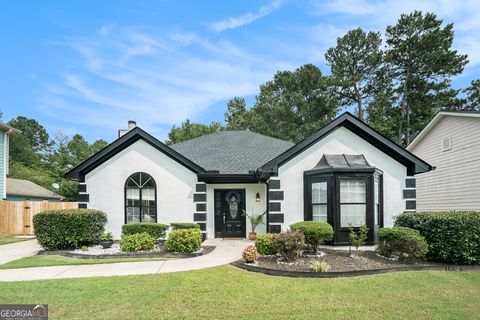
(255, 221)
(107, 240)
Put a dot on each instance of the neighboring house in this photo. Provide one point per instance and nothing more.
(345, 173)
(5, 131)
(22, 190)
(451, 143)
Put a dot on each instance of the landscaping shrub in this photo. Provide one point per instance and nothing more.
(184, 225)
(184, 240)
(156, 230)
(320, 266)
(249, 254)
(357, 239)
(451, 236)
(68, 228)
(264, 245)
(288, 244)
(401, 242)
(137, 242)
(315, 233)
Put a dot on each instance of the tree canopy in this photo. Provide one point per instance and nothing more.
(189, 130)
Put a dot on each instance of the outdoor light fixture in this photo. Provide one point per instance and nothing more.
(257, 197)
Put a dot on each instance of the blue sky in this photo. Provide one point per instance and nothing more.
(89, 66)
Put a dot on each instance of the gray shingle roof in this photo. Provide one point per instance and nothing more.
(232, 151)
(25, 188)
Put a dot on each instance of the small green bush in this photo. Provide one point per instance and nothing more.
(137, 242)
(288, 244)
(156, 230)
(320, 266)
(402, 243)
(68, 228)
(264, 245)
(184, 225)
(315, 233)
(451, 236)
(184, 240)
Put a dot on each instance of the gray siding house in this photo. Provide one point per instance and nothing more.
(450, 143)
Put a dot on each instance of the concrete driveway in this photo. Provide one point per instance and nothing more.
(226, 251)
(18, 250)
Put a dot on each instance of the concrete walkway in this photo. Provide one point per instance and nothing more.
(18, 250)
(226, 251)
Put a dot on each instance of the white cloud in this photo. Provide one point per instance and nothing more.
(158, 81)
(232, 22)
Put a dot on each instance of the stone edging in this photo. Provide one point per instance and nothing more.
(302, 274)
(129, 255)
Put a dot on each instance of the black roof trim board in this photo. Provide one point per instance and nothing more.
(122, 143)
(211, 177)
(413, 163)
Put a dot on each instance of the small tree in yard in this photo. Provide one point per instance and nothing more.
(357, 239)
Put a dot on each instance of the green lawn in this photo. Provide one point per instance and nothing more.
(44, 260)
(229, 293)
(9, 238)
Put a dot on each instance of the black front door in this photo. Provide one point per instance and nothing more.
(229, 205)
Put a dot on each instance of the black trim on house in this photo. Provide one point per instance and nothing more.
(276, 218)
(410, 183)
(199, 197)
(275, 228)
(275, 195)
(83, 197)
(203, 226)
(122, 143)
(215, 177)
(200, 187)
(82, 187)
(413, 163)
(274, 184)
(82, 206)
(274, 206)
(409, 194)
(202, 207)
(411, 205)
(199, 217)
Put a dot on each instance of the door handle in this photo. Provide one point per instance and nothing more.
(223, 218)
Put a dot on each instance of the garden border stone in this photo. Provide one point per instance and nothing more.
(67, 253)
(356, 273)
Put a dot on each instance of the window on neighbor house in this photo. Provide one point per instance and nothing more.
(319, 201)
(353, 202)
(140, 198)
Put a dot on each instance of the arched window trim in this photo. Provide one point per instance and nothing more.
(126, 186)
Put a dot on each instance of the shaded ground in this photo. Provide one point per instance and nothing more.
(9, 238)
(227, 292)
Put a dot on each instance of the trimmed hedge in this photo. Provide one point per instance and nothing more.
(184, 225)
(68, 228)
(451, 236)
(156, 230)
(315, 232)
(184, 240)
(137, 242)
(402, 243)
(264, 245)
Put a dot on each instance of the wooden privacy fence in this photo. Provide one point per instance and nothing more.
(16, 216)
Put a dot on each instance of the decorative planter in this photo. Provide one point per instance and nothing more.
(106, 243)
(252, 236)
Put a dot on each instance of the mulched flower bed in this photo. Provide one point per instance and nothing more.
(97, 252)
(339, 261)
(342, 265)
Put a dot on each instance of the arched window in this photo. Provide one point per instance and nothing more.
(140, 198)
